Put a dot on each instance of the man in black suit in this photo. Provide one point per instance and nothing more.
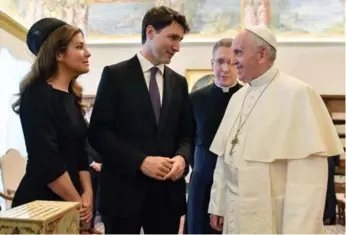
(209, 105)
(141, 127)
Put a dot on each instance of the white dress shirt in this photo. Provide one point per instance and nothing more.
(146, 66)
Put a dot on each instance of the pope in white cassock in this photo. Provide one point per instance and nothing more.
(273, 144)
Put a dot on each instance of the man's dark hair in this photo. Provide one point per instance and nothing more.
(161, 17)
(225, 42)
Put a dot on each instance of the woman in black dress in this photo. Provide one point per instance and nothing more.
(51, 115)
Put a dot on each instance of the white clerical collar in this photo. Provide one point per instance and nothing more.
(264, 78)
(147, 65)
(225, 89)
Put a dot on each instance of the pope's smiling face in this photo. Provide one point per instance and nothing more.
(250, 59)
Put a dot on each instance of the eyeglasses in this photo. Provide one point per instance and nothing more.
(221, 62)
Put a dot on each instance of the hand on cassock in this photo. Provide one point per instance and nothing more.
(216, 222)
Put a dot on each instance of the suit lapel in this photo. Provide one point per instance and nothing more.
(168, 86)
(140, 88)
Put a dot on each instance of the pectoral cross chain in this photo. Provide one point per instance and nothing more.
(234, 142)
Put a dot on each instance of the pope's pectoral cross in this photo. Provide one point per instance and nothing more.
(234, 142)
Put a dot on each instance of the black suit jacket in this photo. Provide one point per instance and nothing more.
(93, 156)
(124, 131)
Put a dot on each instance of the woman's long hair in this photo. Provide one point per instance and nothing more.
(45, 65)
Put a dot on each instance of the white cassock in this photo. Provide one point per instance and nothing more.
(275, 181)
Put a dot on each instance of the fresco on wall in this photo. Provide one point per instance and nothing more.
(255, 12)
(213, 17)
(28, 11)
(124, 18)
(115, 19)
(308, 18)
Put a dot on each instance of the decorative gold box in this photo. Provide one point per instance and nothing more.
(41, 217)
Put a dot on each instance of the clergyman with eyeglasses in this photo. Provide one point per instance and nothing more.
(208, 104)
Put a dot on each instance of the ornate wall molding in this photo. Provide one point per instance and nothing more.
(12, 27)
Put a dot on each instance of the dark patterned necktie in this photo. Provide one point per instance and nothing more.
(154, 93)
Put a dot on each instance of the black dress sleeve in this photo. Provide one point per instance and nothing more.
(37, 116)
(93, 156)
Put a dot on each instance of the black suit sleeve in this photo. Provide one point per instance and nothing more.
(185, 121)
(90, 160)
(102, 132)
(93, 156)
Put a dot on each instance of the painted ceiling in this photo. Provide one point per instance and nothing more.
(111, 20)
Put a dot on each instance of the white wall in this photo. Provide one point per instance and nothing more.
(322, 65)
(15, 61)
(16, 46)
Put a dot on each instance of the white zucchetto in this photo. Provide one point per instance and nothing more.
(264, 33)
